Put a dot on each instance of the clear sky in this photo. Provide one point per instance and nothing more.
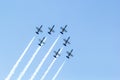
(94, 27)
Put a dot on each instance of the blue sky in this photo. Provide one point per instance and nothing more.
(94, 27)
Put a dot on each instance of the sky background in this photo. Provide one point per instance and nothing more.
(94, 28)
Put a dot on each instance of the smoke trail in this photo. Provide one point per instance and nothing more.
(48, 69)
(29, 63)
(46, 72)
(41, 63)
(58, 71)
(19, 60)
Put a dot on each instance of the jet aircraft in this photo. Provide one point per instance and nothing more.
(69, 54)
(66, 41)
(39, 29)
(41, 41)
(63, 29)
(56, 53)
(51, 29)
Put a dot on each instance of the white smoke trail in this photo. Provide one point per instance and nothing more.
(19, 60)
(57, 73)
(46, 72)
(29, 63)
(41, 63)
(48, 69)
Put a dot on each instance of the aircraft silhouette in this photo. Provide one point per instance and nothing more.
(66, 41)
(69, 54)
(63, 29)
(41, 41)
(51, 29)
(39, 29)
(56, 53)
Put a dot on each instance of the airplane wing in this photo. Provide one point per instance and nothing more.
(58, 54)
(43, 42)
(49, 28)
(40, 40)
(37, 28)
(53, 31)
(68, 42)
(61, 28)
(55, 52)
(68, 52)
(65, 30)
(65, 40)
(71, 55)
